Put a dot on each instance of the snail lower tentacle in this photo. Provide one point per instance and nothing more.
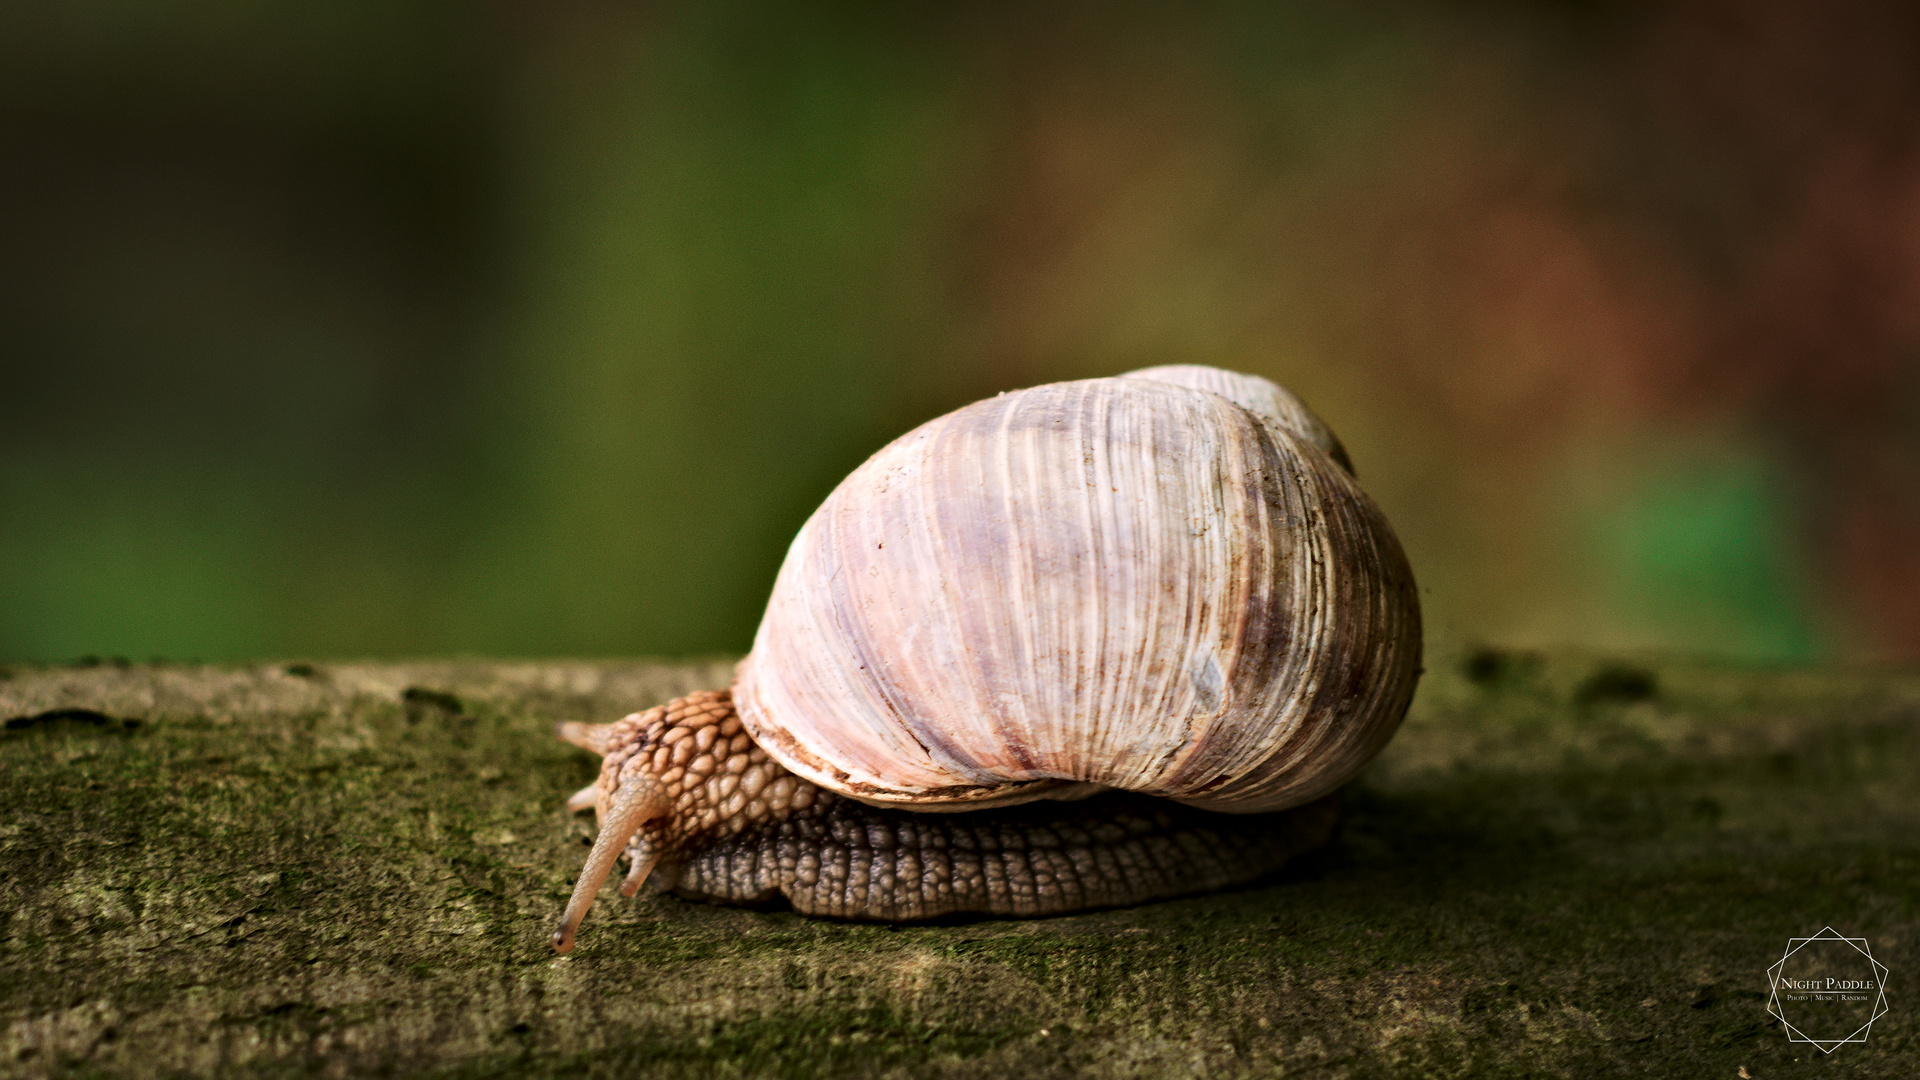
(686, 796)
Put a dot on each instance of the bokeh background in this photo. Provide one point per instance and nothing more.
(382, 328)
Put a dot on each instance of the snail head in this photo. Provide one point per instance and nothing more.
(674, 777)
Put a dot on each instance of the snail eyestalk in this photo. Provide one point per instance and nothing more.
(633, 805)
(592, 737)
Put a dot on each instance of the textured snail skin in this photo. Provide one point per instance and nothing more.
(735, 827)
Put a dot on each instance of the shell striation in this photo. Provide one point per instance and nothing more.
(1166, 582)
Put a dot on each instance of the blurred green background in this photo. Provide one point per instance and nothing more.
(352, 328)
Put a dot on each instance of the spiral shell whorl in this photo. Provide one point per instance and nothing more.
(1116, 582)
(1262, 397)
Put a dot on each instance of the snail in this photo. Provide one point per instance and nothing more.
(1082, 645)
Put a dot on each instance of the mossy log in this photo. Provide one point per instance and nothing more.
(1563, 866)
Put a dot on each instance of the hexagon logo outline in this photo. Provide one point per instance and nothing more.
(1776, 973)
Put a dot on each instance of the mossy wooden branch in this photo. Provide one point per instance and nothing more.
(1564, 865)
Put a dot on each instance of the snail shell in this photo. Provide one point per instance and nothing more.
(1161, 583)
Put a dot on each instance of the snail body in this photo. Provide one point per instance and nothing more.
(1073, 646)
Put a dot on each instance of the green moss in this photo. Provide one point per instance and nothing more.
(305, 869)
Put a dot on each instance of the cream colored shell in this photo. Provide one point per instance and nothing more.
(1132, 583)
